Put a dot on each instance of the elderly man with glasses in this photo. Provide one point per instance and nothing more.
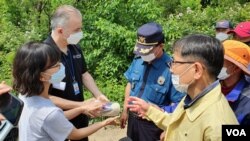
(197, 60)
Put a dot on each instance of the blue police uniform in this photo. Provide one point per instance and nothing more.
(151, 82)
(158, 88)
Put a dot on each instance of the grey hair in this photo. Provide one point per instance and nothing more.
(62, 15)
(204, 48)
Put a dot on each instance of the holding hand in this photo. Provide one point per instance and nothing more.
(1, 117)
(92, 108)
(102, 98)
(124, 118)
(4, 88)
(162, 137)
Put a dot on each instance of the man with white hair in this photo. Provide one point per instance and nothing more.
(66, 25)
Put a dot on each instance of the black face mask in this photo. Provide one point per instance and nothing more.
(248, 43)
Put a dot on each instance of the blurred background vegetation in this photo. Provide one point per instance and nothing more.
(109, 28)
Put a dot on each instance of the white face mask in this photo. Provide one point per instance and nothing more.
(148, 58)
(179, 87)
(183, 88)
(221, 36)
(75, 38)
(223, 74)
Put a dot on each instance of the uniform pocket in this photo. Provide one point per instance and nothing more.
(158, 93)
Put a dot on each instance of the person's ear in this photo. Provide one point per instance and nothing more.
(161, 45)
(60, 30)
(198, 71)
(236, 69)
(43, 77)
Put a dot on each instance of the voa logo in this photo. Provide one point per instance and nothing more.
(236, 132)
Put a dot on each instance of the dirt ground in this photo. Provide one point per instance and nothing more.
(108, 133)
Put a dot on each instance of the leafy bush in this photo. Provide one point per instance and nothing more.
(110, 29)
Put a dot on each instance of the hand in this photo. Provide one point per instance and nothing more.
(124, 118)
(157, 107)
(138, 106)
(89, 101)
(111, 121)
(92, 109)
(1, 117)
(162, 136)
(103, 98)
(4, 88)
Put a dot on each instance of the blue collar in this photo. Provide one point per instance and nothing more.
(235, 93)
(188, 102)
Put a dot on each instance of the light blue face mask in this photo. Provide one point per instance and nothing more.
(58, 76)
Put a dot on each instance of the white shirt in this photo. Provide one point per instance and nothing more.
(41, 120)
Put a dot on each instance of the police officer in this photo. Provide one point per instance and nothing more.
(148, 78)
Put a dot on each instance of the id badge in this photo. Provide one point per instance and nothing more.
(76, 88)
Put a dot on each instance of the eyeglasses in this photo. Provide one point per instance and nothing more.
(172, 62)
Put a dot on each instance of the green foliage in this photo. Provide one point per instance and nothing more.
(193, 4)
(109, 28)
(111, 31)
(202, 20)
(113, 89)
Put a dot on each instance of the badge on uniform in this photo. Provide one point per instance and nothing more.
(161, 80)
(76, 88)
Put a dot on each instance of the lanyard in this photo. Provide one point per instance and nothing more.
(70, 64)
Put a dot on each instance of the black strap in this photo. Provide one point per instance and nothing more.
(70, 64)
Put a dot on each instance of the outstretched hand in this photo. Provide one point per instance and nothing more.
(138, 106)
(111, 121)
